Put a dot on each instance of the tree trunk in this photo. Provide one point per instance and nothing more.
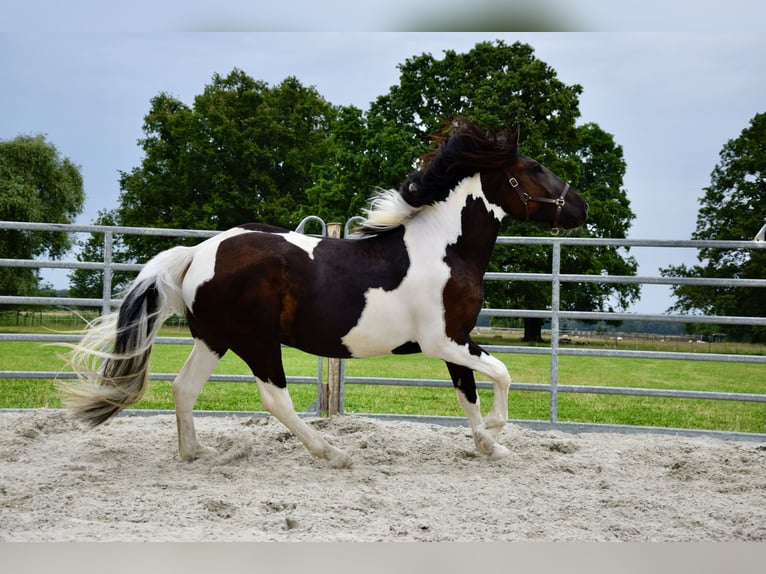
(533, 330)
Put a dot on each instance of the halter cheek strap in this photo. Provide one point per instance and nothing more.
(525, 198)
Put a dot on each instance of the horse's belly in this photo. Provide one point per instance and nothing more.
(374, 344)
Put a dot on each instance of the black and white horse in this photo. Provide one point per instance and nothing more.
(412, 282)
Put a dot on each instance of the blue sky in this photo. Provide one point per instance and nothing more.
(671, 99)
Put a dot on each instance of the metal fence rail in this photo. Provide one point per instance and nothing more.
(555, 315)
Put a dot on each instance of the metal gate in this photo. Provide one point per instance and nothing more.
(338, 380)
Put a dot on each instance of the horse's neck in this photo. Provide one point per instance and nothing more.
(466, 222)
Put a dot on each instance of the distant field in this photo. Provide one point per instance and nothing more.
(646, 373)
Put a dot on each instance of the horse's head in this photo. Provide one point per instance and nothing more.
(529, 191)
(520, 186)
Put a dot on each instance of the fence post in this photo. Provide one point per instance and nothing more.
(334, 366)
(106, 293)
(555, 304)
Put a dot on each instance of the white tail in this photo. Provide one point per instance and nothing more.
(112, 359)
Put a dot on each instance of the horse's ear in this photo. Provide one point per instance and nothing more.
(510, 138)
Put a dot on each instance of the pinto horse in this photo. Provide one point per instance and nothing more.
(412, 281)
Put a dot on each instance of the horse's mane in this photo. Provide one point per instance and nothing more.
(460, 150)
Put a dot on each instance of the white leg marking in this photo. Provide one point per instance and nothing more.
(186, 388)
(484, 439)
(497, 416)
(278, 402)
(485, 431)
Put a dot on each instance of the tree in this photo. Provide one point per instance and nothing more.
(244, 152)
(502, 86)
(341, 182)
(733, 207)
(37, 184)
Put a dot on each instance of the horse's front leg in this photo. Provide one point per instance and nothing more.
(484, 437)
(497, 417)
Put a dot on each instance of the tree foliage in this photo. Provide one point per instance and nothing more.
(342, 182)
(244, 152)
(733, 207)
(37, 184)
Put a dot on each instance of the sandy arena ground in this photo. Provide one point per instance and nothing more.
(410, 482)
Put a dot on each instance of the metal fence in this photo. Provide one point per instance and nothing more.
(555, 315)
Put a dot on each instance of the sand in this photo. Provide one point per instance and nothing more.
(410, 482)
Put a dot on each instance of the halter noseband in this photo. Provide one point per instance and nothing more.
(525, 198)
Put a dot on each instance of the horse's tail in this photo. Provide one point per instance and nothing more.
(112, 359)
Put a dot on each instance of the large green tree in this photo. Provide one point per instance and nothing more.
(733, 207)
(342, 182)
(37, 184)
(501, 86)
(245, 151)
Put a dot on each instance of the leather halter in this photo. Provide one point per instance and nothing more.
(525, 198)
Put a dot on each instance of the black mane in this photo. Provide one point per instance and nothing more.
(461, 150)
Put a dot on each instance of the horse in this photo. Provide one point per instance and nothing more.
(411, 280)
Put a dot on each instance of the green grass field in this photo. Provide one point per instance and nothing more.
(573, 370)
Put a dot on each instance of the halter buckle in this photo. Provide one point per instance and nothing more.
(513, 181)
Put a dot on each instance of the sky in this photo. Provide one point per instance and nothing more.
(671, 99)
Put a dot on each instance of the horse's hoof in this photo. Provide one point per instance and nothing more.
(339, 459)
(499, 452)
(204, 452)
(487, 446)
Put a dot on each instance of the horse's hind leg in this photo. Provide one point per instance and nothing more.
(277, 401)
(186, 388)
(272, 384)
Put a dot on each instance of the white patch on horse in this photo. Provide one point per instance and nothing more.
(202, 268)
(305, 242)
(492, 208)
(414, 311)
